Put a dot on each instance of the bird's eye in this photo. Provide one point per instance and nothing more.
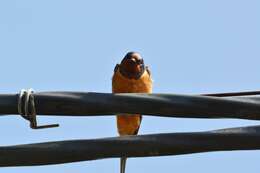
(140, 61)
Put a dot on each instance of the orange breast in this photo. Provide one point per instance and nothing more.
(129, 124)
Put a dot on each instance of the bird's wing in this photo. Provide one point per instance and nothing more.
(148, 70)
(116, 68)
(136, 131)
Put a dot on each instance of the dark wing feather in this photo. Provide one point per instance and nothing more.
(136, 131)
(148, 70)
(116, 68)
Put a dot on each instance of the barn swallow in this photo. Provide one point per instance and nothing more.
(130, 76)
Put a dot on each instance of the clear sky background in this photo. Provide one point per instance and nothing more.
(190, 46)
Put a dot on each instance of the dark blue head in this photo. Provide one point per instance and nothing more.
(132, 66)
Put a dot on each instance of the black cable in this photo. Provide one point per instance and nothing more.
(243, 138)
(232, 94)
(168, 105)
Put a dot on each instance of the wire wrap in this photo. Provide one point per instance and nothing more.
(26, 108)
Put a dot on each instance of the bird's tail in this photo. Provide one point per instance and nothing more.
(122, 164)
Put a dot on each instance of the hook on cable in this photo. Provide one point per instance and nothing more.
(26, 108)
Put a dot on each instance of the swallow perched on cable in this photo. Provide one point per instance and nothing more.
(130, 76)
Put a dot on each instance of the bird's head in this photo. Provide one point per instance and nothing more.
(132, 66)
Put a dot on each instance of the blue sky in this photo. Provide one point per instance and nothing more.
(190, 46)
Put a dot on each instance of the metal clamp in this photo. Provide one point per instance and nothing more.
(26, 108)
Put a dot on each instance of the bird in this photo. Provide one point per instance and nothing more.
(130, 76)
